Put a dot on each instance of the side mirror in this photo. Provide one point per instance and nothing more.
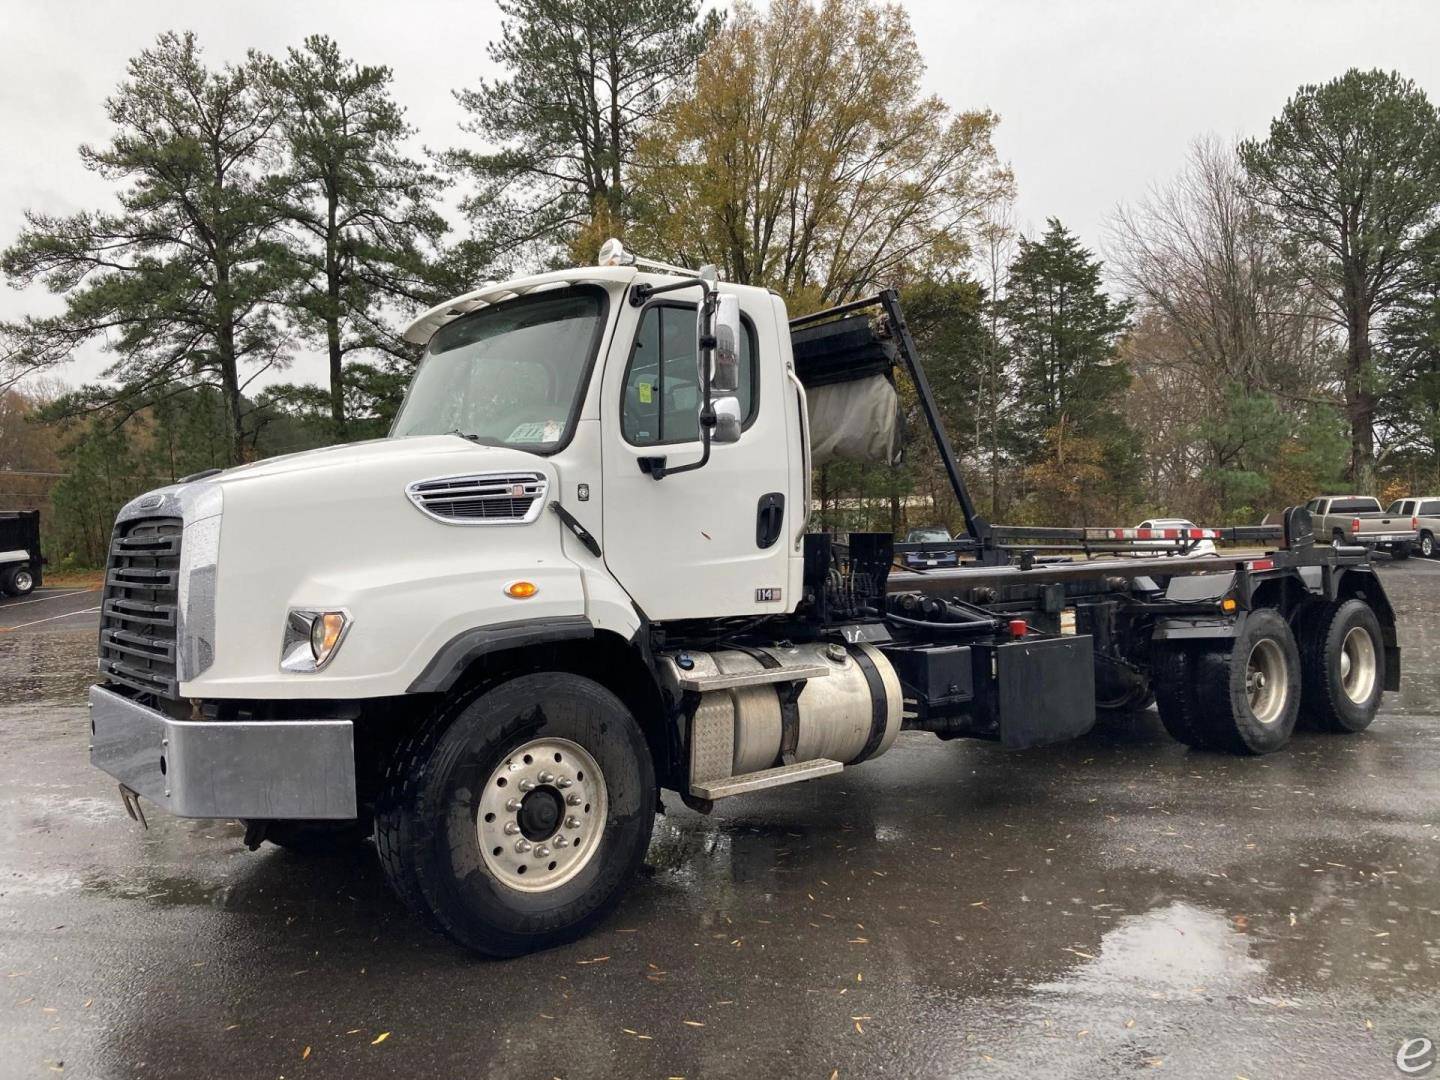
(727, 420)
(725, 360)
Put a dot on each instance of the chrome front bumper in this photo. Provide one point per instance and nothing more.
(260, 769)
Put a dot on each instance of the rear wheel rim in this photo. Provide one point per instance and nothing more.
(1357, 665)
(1427, 546)
(1267, 681)
(542, 815)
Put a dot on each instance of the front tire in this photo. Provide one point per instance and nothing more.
(1248, 695)
(1343, 660)
(518, 824)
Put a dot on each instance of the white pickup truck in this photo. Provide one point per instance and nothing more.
(1358, 519)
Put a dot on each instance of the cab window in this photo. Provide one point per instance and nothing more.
(661, 402)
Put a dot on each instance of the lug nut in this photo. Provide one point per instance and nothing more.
(572, 822)
(511, 828)
(560, 841)
(542, 852)
(564, 782)
(527, 785)
(522, 846)
(572, 800)
(547, 777)
(513, 805)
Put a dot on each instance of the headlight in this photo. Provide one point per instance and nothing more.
(312, 638)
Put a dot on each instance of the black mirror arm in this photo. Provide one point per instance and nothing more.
(655, 466)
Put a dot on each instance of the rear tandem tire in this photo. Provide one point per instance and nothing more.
(444, 824)
(1248, 694)
(1172, 676)
(1342, 665)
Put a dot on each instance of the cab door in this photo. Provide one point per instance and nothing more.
(714, 541)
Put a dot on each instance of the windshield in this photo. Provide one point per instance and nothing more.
(921, 536)
(509, 375)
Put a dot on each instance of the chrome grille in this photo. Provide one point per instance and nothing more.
(140, 609)
(482, 498)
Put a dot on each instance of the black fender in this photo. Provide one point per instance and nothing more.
(457, 654)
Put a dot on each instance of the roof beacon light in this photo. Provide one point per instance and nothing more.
(613, 253)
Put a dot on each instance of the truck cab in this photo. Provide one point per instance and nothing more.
(578, 572)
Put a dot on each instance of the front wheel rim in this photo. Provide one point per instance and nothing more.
(1267, 681)
(1357, 665)
(542, 815)
(23, 581)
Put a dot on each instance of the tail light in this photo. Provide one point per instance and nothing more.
(1414, 523)
(1354, 526)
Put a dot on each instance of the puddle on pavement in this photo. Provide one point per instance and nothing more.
(42, 669)
(1171, 950)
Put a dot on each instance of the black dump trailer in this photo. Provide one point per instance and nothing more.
(1037, 629)
(21, 564)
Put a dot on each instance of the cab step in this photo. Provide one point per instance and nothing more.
(765, 778)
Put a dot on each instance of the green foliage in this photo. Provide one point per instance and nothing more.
(583, 77)
(106, 470)
(361, 213)
(1063, 330)
(1350, 176)
(180, 281)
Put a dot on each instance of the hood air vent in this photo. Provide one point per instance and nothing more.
(481, 498)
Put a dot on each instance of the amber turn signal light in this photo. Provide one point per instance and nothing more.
(521, 590)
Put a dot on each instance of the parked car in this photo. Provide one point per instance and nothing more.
(932, 558)
(20, 560)
(1424, 510)
(1358, 519)
(1170, 546)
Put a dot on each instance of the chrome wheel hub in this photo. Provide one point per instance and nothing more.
(541, 815)
(1358, 668)
(1266, 682)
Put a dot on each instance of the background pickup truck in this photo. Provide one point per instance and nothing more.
(1358, 519)
(1425, 510)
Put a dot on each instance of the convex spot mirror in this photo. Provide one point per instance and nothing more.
(725, 359)
(727, 420)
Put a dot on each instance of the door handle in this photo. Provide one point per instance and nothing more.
(769, 519)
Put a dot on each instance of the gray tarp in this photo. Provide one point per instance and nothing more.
(854, 421)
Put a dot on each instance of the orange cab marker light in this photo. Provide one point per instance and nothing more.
(521, 590)
(1228, 604)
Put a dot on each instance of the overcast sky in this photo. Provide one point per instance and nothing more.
(1098, 99)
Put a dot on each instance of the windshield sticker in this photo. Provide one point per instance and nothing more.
(646, 393)
(532, 433)
(552, 431)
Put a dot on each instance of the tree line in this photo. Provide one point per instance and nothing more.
(1265, 325)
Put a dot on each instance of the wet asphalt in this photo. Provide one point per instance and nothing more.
(1111, 907)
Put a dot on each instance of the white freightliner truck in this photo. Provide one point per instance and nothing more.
(578, 571)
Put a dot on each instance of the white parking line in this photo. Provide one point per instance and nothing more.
(52, 596)
(52, 618)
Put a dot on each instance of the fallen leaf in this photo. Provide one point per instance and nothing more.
(305, 1054)
(693, 1023)
(380, 1038)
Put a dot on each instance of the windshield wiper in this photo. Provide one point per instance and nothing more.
(463, 434)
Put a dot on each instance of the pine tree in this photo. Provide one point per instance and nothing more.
(180, 281)
(361, 211)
